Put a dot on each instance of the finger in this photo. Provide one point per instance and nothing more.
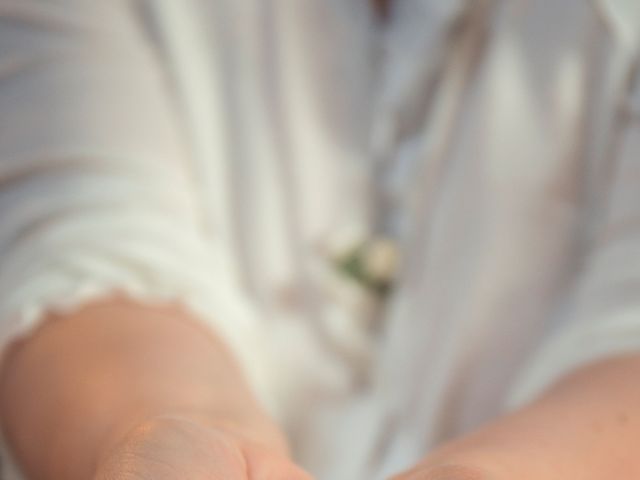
(167, 449)
(265, 465)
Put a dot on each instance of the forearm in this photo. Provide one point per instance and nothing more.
(82, 381)
(587, 427)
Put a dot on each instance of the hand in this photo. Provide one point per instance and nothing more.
(135, 392)
(585, 427)
(459, 466)
(520, 446)
(175, 448)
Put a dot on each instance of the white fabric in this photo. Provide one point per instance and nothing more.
(210, 152)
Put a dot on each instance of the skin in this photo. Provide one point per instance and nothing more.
(587, 427)
(119, 391)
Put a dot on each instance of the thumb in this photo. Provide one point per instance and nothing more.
(265, 465)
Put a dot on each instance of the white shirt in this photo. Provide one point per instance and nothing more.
(219, 152)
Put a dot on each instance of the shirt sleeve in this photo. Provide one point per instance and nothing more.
(96, 187)
(604, 317)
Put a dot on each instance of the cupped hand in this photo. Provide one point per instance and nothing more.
(175, 448)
